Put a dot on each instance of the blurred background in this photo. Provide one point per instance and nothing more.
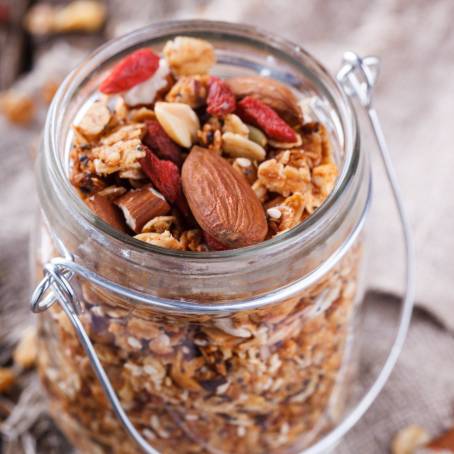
(41, 41)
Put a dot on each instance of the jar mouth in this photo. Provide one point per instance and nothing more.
(345, 123)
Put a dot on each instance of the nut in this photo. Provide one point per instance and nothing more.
(104, 208)
(221, 200)
(189, 56)
(273, 93)
(238, 146)
(95, 120)
(409, 439)
(179, 121)
(141, 205)
(257, 136)
(234, 124)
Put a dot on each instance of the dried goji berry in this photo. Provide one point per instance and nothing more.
(158, 140)
(130, 71)
(220, 99)
(164, 175)
(213, 243)
(254, 111)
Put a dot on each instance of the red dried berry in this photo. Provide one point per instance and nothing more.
(130, 71)
(213, 243)
(164, 175)
(158, 140)
(257, 113)
(220, 99)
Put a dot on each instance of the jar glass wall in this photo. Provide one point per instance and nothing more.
(272, 377)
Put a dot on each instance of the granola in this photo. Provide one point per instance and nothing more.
(183, 160)
(252, 382)
(129, 144)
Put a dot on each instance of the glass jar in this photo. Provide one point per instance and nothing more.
(240, 351)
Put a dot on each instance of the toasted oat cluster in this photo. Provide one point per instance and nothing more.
(262, 381)
(185, 160)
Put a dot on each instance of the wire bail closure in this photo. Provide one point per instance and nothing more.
(357, 77)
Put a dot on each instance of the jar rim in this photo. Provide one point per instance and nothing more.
(251, 34)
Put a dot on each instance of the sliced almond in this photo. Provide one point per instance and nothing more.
(141, 205)
(104, 208)
(95, 120)
(179, 121)
(273, 93)
(238, 146)
(221, 200)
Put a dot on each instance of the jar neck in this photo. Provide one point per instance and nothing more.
(294, 255)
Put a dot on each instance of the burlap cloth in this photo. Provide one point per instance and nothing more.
(414, 97)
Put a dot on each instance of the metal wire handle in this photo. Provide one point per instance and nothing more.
(357, 77)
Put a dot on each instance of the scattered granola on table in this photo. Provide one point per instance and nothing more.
(414, 439)
(184, 160)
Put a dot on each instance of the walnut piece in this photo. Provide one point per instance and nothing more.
(238, 146)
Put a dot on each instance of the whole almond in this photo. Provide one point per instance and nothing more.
(273, 93)
(222, 200)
